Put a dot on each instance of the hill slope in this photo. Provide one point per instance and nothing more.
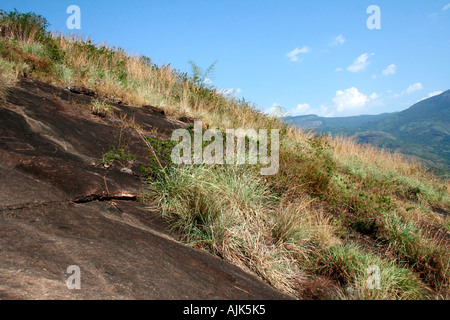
(61, 206)
(421, 130)
(314, 229)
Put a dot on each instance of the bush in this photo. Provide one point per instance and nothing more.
(23, 26)
(101, 109)
(29, 27)
(119, 155)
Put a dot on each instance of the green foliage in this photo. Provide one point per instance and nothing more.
(24, 26)
(199, 75)
(119, 155)
(101, 109)
(54, 51)
(162, 150)
(348, 264)
(311, 168)
(27, 44)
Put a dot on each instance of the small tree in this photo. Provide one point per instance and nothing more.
(199, 76)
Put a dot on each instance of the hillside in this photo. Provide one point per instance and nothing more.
(88, 178)
(421, 131)
(63, 205)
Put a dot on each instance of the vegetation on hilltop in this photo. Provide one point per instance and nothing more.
(334, 209)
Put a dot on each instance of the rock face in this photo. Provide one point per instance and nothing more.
(60, 207)
(81, 90)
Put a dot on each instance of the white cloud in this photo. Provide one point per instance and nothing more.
(434, 93)
(374, 96)
(305, 108)
(446, 7)
(293, 55)
(273, 110)
(431, 94)
(208, 81)
(360, 63)
(338, 40)
(302, 109)
(324, 111)
(338, 70)
(375, 100)
(414, 87)
(276, 111)
(229, 92)
(391, 69)
(349, 99)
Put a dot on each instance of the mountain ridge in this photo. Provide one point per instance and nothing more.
(421, 131)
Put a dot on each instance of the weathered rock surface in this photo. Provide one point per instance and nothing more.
(59, 207)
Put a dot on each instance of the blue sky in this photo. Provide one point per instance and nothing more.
(304, 56)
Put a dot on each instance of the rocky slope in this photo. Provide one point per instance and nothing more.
(60, 206)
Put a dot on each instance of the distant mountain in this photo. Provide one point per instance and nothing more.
(314, 121)
(422, 130)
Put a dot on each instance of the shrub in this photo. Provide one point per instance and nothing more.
(23, 26)
(118, 155)
(100, 109)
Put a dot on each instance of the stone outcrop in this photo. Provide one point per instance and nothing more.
(60, 207)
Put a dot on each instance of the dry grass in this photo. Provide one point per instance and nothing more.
(233, 214)
(7, 79)
(137, 81)
(227, 211)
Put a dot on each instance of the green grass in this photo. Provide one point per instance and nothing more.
(226, 211)
(119, 155)
(7, 79)
(428, 258)
(230, 212)
(101, 109)
(349, 265)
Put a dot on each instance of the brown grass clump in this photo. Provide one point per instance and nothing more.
(7, 79)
